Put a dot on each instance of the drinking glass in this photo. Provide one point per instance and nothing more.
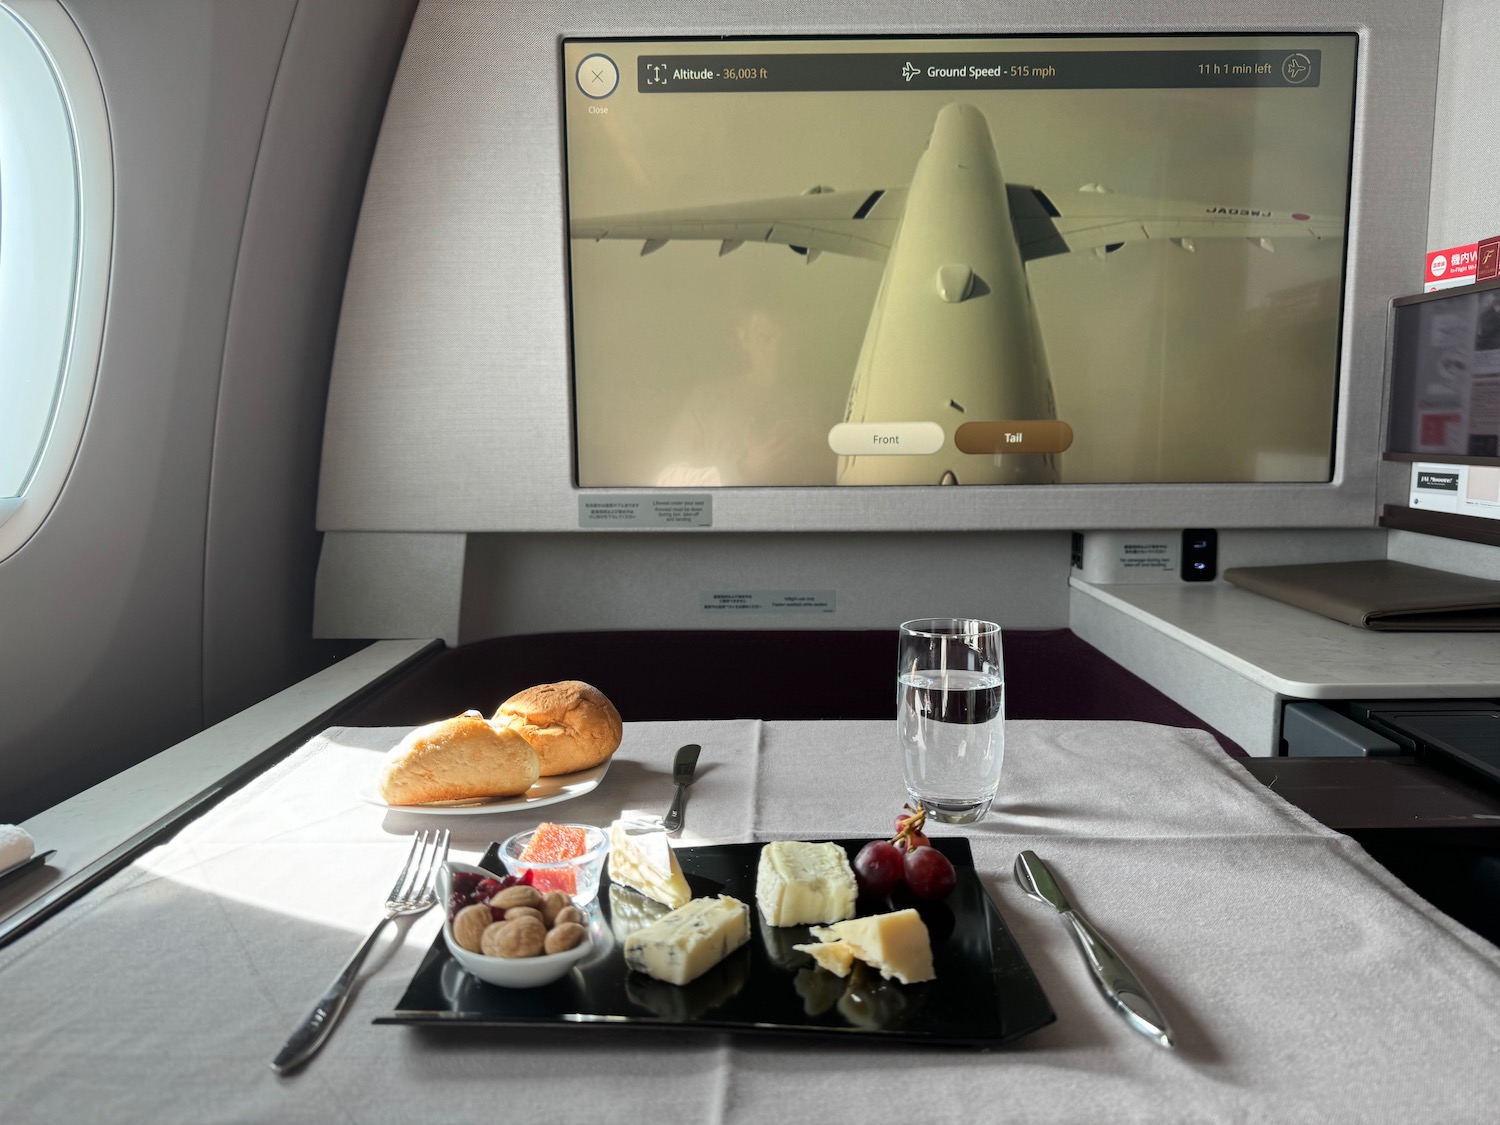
(950, 715)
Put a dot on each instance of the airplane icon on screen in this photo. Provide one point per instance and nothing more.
(1295, 68)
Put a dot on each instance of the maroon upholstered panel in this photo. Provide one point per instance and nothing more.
(772, 674)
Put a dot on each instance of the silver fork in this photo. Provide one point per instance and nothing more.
(413, 894)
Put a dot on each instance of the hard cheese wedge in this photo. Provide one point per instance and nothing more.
(640, 857)
(835, 956)
(689, 941)
(896, 944)
(800, 883)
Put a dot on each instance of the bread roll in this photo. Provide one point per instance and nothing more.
(456, 759)
(570, 725)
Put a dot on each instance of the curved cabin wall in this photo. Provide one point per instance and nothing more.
(172, 583)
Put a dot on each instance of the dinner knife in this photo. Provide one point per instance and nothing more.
(1120, 986)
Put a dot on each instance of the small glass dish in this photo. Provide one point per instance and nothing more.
(578, 877)
(513, 972)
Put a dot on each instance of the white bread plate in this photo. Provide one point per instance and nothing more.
(547, 791)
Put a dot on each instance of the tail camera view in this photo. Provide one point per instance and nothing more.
(888, 262)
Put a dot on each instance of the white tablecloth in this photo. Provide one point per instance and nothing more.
(1303, 982)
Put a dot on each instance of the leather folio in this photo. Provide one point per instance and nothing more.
(1380, 594)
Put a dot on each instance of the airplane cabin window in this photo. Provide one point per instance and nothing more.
(56, 214)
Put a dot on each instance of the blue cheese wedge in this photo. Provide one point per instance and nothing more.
(799, 883)
(689, 941)
(640, 857)
(895, 944)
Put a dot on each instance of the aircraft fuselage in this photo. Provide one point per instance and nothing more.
(953, 336)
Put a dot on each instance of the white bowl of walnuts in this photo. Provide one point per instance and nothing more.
(506, 932)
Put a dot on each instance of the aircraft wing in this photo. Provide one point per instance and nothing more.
(1103, 221)
(857, 223)
(863, 223)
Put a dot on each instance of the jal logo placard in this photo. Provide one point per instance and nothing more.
(1455, 264)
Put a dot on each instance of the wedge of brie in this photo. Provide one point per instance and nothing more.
(640, 857)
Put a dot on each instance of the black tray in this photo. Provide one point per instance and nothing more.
(985, 992)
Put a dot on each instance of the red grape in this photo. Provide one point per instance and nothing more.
(928, 873)
(877, 868)
(909, 832)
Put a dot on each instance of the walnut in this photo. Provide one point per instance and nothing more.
(524, 937)
(552, 903)
(564, 935)
(518, 896)
(469, 925)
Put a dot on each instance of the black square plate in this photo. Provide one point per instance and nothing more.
(985, 992)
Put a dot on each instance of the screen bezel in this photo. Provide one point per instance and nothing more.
(1335, 375)
(1401, 385)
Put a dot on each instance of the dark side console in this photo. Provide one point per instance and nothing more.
(1415, 782)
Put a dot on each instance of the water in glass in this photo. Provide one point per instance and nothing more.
(951, 721)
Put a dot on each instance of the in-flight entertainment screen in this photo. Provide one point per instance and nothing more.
(942, 261)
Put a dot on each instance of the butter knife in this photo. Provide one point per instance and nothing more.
(1115, 979)
(683, 768)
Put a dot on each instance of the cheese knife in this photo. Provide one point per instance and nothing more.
(1120, 986)
(683, 767)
